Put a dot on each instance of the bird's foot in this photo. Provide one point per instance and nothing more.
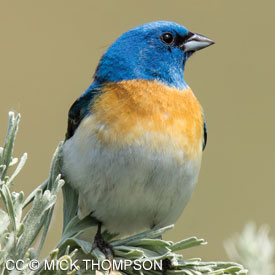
(106, 248)
(166, 265)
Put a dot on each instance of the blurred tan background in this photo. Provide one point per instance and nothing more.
(49, 51)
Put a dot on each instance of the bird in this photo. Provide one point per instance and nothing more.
(135, 137)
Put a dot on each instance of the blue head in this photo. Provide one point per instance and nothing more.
(153, 51)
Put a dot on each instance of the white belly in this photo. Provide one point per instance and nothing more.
(129, 189)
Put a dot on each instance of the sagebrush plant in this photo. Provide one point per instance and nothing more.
(18, 232)
(254, 248)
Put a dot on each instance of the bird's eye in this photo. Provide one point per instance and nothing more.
(167, 38)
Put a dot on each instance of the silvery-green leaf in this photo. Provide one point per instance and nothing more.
(202, 269)
(67, 250)
(76, 226)
(85, 246)
(34, 220)
(6, 195)
(182, 271)
(187, 243)
(32, 254)
(1, 153)
(99, 256)
(148, 242)
(70, 196)
(18, 169)
(74, 242)
(9, 243)
(13, 161)
(149, 234)
(70, 204)
(152, 272)
(4, 221)
(2, 168)
(229, 267)
(242, 272)
(9, 141)
(160, 250)
(47, 220)
(128, 252)
(199, 273)
(17, 199)
(31, 196)
(223, 264)
(232, 269)
(54, 171)
(54, 254)
(56, 187)
(73, 253)
(56, 165)
(20, 229)
(58, 183)
(194, 260)
(157, 245)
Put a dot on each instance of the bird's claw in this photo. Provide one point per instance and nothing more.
(166, 266)
(106, 248)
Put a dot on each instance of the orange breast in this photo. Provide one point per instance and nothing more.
(151, 114)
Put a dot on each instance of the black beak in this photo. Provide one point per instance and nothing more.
(196, 42)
